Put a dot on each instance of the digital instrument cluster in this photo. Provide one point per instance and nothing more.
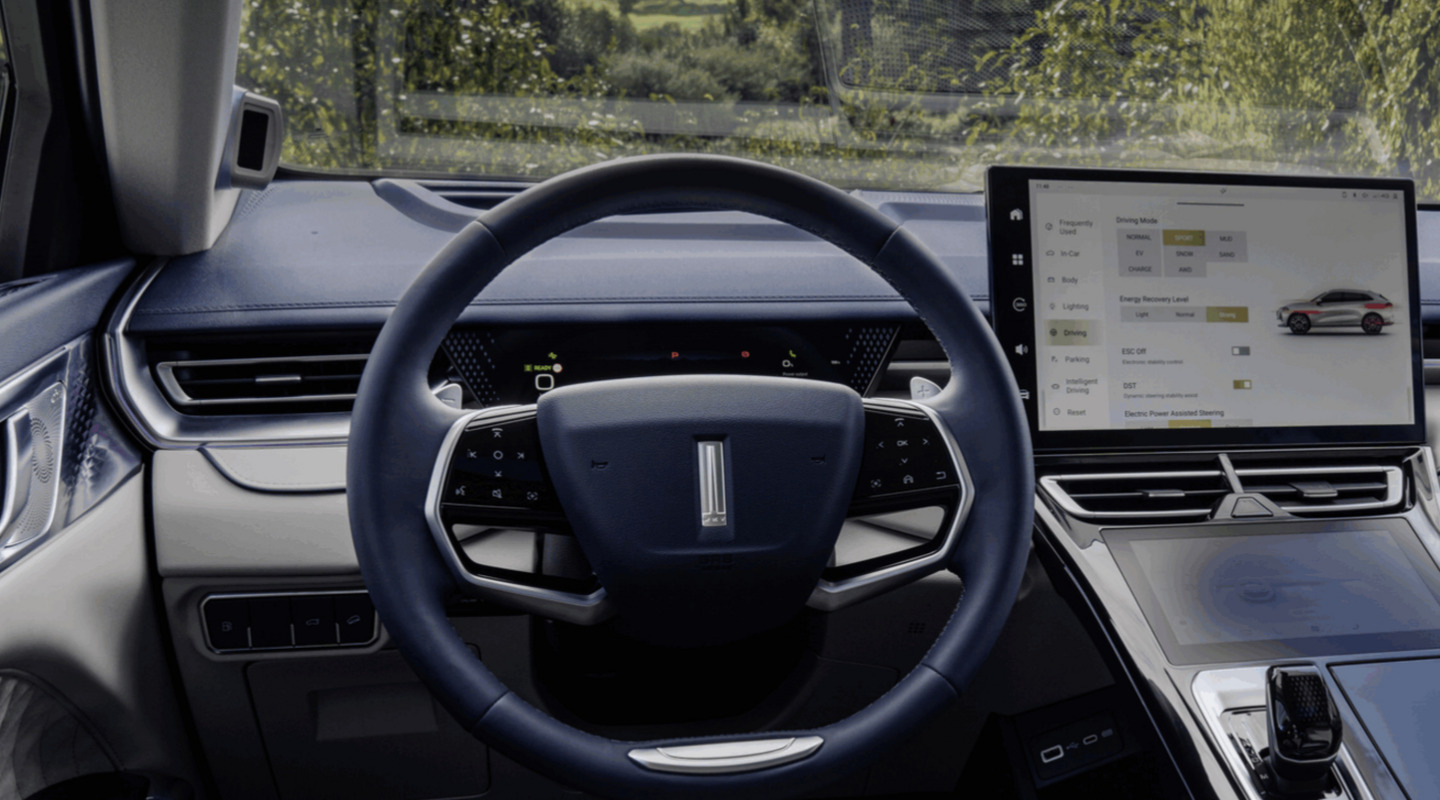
(518, 365)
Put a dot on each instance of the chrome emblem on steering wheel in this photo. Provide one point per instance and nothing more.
(712, 484)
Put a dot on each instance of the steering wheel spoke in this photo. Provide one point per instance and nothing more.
(496, 519)
(911, 499)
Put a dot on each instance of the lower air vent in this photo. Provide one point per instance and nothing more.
(1136, 496)
(1337, 489)
(262, 385)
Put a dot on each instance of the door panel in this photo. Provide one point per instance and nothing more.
(80, 638)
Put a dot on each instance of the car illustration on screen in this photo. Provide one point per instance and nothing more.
(1338, 308)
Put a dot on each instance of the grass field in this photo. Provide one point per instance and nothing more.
(688, 14)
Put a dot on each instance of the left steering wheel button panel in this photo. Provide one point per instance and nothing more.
(498, 465)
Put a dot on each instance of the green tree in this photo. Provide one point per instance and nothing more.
(1329, 84)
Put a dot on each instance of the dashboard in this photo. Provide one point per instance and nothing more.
(275, 319)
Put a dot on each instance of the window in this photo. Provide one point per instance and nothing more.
(896, 94)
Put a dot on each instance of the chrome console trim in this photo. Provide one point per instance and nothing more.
(833, 595)
(721, 758)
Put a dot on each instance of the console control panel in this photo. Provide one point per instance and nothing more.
(288, 621)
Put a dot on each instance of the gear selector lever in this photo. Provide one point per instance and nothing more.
(1304, 730)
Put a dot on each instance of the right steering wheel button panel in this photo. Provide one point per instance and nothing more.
(903, 453)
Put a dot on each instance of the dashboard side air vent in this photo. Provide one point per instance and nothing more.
(260, 376)
(1138, 496)
(231, 382)
(1329, 489)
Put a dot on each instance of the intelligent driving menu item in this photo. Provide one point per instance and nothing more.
(1207, 308)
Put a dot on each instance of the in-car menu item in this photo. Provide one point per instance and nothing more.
(1207, 309)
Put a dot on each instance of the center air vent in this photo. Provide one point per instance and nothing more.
(262, 385)
(1331, 489)
(1135, 496)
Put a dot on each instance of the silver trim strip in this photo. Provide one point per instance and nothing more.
(586, 609)
(833, 595)
(19, 450)
(722, 758)
(150, 415)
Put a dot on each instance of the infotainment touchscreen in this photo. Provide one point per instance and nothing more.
(1144, 308)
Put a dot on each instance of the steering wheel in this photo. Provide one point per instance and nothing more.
(706, 507)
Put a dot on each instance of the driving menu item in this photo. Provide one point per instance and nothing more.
(1235, 593)
(1148, 308)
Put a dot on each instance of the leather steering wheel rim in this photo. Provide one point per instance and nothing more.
(398, 425)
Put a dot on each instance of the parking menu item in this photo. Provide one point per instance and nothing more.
(1184, 303)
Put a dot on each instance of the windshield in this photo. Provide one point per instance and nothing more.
(895, 94)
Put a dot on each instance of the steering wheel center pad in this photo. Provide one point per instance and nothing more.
(398, 427)
(781, 456)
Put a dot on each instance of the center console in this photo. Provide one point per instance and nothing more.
(1224, 381)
